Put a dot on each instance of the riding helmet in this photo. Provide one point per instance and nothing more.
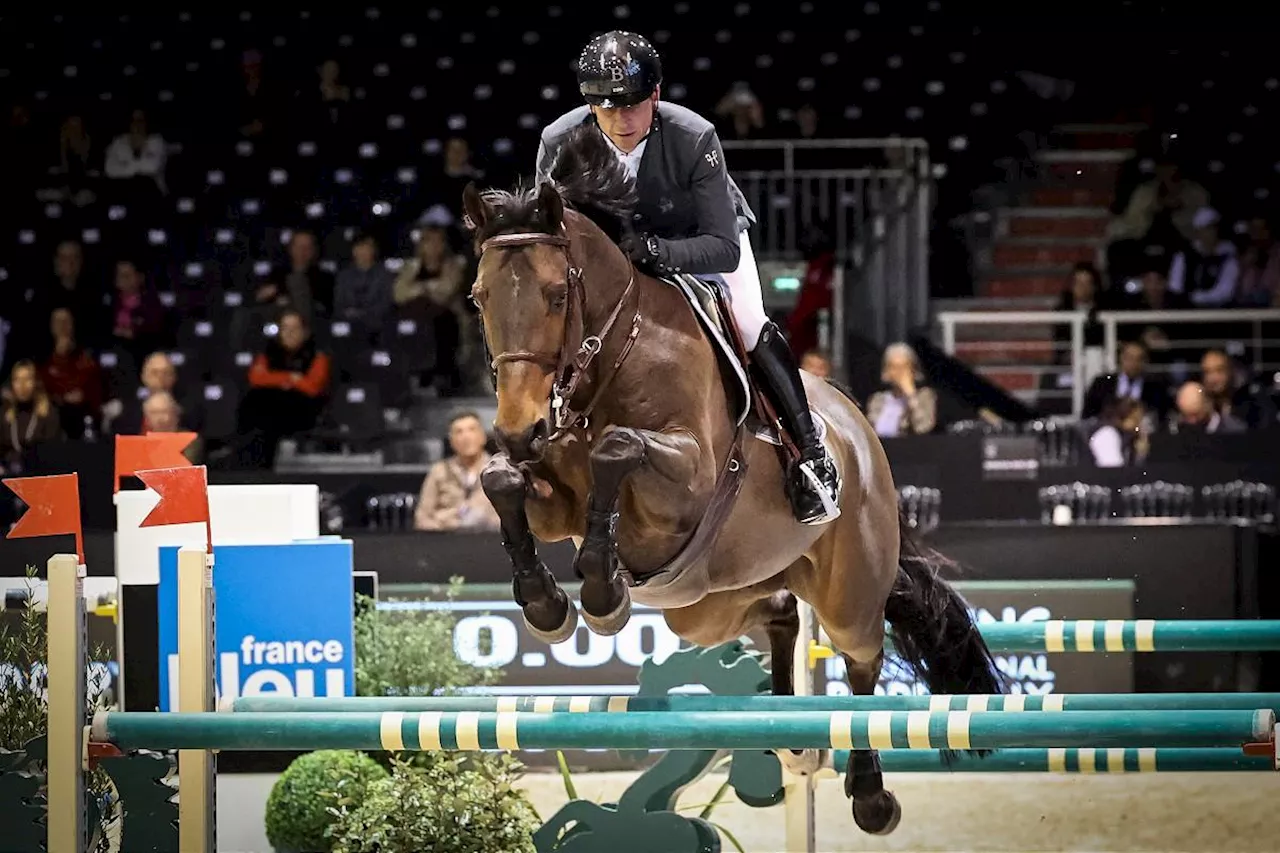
(618, 69)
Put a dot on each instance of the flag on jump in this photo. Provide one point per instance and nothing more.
(53, 508)
(154, 450)
(184, 497)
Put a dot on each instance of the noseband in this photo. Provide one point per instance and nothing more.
(571, 362)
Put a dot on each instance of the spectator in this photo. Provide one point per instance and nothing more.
(742, 109)
(68, 287)
(1195, 413)
(1232, 398)
(77, 161)
(158, 375)
(815, 290)
(29, 419)
(458, 171)
(1208, 272)
(1157, 222)
(451, 497)
(289, 383)
(304, 287)
(136, 312)
(362, 293)
(161, 413)
(71, 377)
(1120, 438)
(1082, 292)
(1131, 382)
(903, 407)
(254, 101)
(1259, 268)
(429, 290)
(816, 362)
(138, 156)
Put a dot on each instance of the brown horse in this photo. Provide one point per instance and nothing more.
(619, 431)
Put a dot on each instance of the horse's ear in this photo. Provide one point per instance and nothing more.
(477, 212)
(551, 206)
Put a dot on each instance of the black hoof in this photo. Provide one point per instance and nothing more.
(614, 619)
(553, 620)
(877, 814)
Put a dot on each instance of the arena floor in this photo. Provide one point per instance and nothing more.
(1167, 812)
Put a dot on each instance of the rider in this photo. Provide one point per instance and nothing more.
(692, 218)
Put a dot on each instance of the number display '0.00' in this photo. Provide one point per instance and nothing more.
(493, 640)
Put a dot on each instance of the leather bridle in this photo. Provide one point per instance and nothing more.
(578, 350)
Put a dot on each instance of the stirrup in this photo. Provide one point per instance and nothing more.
(830, 502)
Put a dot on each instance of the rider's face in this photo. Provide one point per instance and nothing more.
(626, 126)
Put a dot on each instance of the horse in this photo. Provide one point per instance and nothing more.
(618, 427)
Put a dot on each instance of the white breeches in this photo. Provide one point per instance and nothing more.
(745, 299)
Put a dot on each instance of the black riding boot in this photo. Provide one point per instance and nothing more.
(813, 484)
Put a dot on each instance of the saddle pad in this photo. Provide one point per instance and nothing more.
(701, 299)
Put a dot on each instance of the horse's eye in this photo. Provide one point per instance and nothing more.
(557, 301)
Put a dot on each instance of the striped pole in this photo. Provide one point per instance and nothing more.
(1142, 635)
(470, 730)
(1119, 760)
(783, 704)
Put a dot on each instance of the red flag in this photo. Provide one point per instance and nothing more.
(154, 450)
(184, 498)
(53, 507)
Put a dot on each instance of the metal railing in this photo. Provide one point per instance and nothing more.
(1252, 335)
(872, 197)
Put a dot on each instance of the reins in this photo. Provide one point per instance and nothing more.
(571, 362)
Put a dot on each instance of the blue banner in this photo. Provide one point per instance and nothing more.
(283, 620)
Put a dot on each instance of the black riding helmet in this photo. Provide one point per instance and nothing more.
(618, 69)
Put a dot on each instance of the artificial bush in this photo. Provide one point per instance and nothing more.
(442, 802)
(298, 808)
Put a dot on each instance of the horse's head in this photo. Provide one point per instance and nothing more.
(526, 288)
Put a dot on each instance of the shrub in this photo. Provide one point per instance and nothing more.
(297, 810)
(410, 652)
(442, 802)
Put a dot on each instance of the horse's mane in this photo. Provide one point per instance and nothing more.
(590, 179)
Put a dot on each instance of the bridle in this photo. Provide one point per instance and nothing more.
(571, 362)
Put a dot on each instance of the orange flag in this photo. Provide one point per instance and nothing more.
(153, 450)
(184, 498)
(53, 508)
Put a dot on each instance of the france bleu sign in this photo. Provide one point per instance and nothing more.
(283, 622)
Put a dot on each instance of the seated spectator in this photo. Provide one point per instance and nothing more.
(72, 378)
(137, 154)
(903, 407)
(1208, 271)
(1156, 223)
(78, 161)
(816, 362)
(1154, 295)
(1195, 413)
(1082, 292)
(30, 418)
(1230, 397)
(158, 375)
(136, 312)
(362, 293)
(451, 497)
(1259, 268)
(301, 284)
(289, 384)
(161, 413)
(1130, 382)
(430, 290)
(1120, 438)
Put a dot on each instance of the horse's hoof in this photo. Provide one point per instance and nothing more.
(561, 633)
(612, 622)
(802, 762)
(877, 814)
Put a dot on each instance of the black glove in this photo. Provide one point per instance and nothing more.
(643, 249)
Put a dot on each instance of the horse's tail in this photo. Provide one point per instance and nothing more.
(931, 628)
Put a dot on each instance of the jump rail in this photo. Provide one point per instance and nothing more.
(1171, 760)
(775, 704)
(1140, 635)
(474, 730)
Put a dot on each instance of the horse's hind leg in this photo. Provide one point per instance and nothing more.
(620, 452)
(875, 810)
(548, 610)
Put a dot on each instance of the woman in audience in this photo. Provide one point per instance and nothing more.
(289, 383)
(1122, 436)
(136, 313)
(1082, 292)
(903, 407)
(451, 496)
(29, 417)
(429, 290)
(71, 377)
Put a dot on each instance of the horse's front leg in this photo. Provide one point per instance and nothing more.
(548, 610)
(621, 451)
